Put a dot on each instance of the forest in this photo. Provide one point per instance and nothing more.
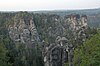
(45, 39)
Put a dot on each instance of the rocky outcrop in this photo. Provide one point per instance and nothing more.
(24, 32)
(56, 54)
(75, 22)
(61, 52)
(56, 33)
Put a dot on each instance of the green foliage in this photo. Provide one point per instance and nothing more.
(12, 53)
(3, 58)
(89, 53)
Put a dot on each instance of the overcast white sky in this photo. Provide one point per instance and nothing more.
(34, 5)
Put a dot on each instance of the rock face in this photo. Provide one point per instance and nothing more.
(60, 52)
(76, 21)
(56, 54)
(53, 30)
(24, 32)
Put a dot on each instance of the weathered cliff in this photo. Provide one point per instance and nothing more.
(55, 34)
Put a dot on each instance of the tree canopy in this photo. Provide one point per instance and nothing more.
(89, 53)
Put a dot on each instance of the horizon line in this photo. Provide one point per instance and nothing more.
(41, 10)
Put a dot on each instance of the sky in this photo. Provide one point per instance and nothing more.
(35, 5)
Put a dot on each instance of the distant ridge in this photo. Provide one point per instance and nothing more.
(65, 12)
(62, 12)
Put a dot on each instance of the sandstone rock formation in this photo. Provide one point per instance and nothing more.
(56, 33)
(24, 32)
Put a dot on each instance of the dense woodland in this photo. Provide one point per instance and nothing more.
(15, 53)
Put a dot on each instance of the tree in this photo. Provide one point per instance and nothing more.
(3, 57)
(89, 53)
